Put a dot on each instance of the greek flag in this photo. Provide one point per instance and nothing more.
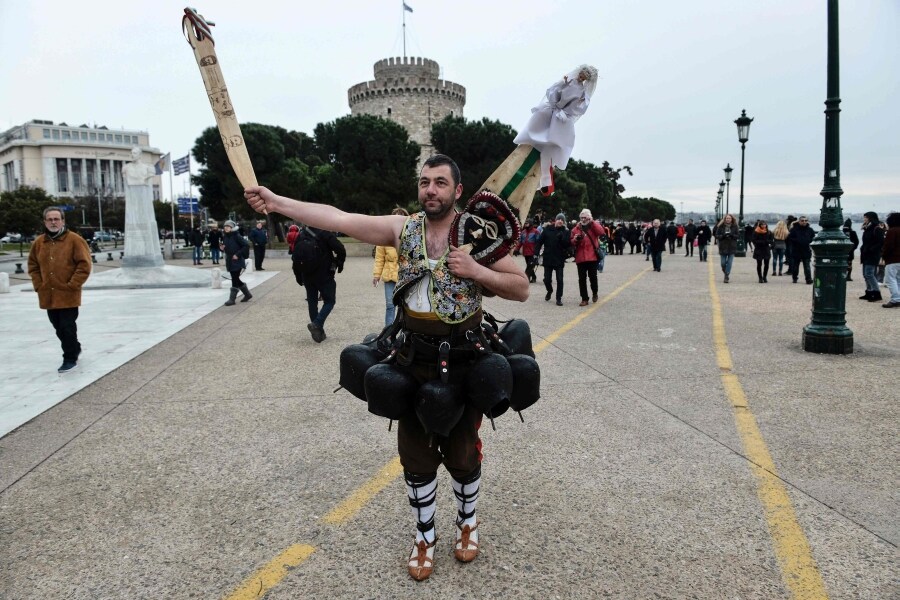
(162, 164)
(182, 165)
(406, 7)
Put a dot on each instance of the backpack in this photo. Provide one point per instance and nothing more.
(308, 254)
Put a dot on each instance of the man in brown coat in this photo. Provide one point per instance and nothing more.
(59, 263)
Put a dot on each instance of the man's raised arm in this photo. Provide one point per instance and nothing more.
(377, 230)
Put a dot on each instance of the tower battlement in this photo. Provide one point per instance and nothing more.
(410, 92)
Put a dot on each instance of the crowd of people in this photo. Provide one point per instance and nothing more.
(779, 251)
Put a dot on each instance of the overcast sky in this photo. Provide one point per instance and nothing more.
(673, 77)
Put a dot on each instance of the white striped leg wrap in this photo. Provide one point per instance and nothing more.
(466, 493)
(422, 492)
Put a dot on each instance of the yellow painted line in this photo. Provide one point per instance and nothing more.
(547, 341)
(258, 584)
(798, 567)
(347, 509)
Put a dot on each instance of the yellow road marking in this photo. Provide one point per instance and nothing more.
(272, 573)
(347, 509)
(543, 344)
(798, 567)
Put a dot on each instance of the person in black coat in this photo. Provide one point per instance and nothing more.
(214, 237)
(704, 234)
(197, 239)
(259, 237)
(870, 255)
(762, 249)
(854, 239)
(671, 235)
(799, 239)
(655, 238)
(633, 237)
(554, 240)
(690, 233)
(320, 282)
(748, 236)
(236, 250)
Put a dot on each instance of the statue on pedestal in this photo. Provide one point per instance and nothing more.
(141, 234)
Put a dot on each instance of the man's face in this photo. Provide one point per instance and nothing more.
(437, 194)
(259, 225)
(803, 221)
(656, 222)
(54, 221)
(559, 223)
(702, 223)
(585, 220)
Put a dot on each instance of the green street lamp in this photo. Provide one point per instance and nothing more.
(827, 331)
(743, 125)
(728, 171)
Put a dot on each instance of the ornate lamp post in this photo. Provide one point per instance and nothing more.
(718, 207)
(743, 125)
(728, 171)
(827, 331)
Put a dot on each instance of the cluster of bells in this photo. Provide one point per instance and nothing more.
(493, 382)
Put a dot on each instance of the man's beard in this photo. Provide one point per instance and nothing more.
(437, 213)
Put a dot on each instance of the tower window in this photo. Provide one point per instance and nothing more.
(389, 111)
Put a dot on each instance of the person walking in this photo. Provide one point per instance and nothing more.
(655, 239)
(197, 239)
(237, 251)
(748, 236)
(779, 244)
(59, 263)
(386, 270)
(727, 235)
(585, 237)
(690, 234)
(788, 250)
(619, 238)
(870, 255)
(854, 239)
(671, 235)
(763, 241)
(890, 255)
(214, 237)
(554, 240)
(632, 236)
(259, 237)
(527, 241)
(679, 228)
(318, 255)
(704, 234)
(800, 237)
(440, 289)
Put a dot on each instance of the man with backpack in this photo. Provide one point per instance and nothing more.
(317, 255)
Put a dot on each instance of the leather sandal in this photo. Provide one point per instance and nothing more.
(421, 560)
(466, 543)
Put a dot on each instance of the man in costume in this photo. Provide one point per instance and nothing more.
(439, 290)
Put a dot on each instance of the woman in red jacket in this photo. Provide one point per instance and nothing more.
(585, 237)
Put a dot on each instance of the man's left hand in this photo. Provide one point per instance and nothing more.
(462, 264)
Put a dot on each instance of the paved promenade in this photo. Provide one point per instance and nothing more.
(685, 447)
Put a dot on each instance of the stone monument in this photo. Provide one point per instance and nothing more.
(143, 265)
(141, 233)
(410, 92)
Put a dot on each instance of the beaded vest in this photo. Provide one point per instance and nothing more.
(453, 299)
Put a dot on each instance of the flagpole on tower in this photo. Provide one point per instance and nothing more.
(405, 9)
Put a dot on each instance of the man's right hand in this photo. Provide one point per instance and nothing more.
(261, 199)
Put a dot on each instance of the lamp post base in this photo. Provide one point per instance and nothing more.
(827, 341)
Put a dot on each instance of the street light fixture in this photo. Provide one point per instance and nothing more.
(743, 126)
(728, 171)
(827, 331)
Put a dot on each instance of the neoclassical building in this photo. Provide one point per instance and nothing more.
(409, 91)
(70, 161)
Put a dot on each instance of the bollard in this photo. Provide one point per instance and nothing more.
(109, 256)
(4, 283)
(121, 255)
(217, 278)
(94, 258)
(19, 268)
(250, 266)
